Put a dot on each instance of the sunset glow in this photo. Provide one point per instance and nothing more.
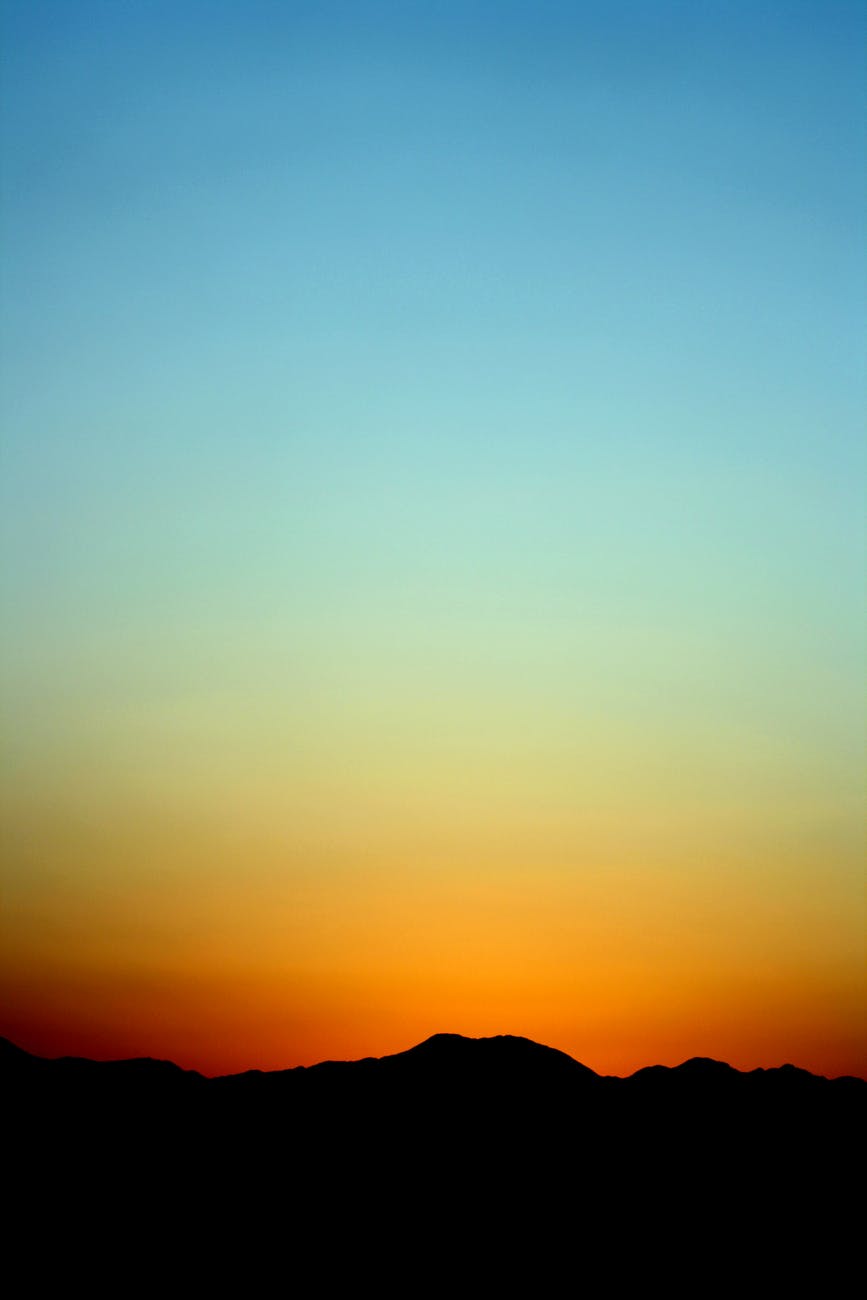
(432, 530)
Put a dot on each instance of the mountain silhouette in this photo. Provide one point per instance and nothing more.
(493, 1150)
(449, 1066)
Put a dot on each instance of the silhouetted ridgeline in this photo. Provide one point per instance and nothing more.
(455, 1136)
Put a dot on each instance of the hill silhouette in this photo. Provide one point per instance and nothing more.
(456, 1140)
(504, 1061)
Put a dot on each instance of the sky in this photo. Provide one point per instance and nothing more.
(432, 529)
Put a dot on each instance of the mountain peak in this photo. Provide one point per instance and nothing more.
(506, 1053)
(705, 1065)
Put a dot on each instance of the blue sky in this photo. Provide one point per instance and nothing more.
(491, 369)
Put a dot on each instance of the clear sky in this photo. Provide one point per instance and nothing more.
(432, 528)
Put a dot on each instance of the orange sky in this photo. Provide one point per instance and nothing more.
(432, 530)
(248, 944)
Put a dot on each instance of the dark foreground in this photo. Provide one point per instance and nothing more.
(461, 1165)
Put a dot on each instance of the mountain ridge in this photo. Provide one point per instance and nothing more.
(440, 1048)
(491, 1140)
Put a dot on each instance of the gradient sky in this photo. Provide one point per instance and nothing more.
(432, 552)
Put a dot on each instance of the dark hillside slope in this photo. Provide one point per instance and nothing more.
(494, 1142)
